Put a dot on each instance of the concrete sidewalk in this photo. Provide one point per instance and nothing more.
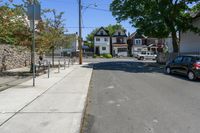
(55, 105)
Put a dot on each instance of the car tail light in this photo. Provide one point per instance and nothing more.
(197, 65)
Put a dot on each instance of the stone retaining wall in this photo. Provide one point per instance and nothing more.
(12, 57)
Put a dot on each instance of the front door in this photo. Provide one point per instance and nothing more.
(97, 52)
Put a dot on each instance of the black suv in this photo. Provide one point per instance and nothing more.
(188, 65)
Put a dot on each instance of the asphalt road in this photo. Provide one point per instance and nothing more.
(137, 97)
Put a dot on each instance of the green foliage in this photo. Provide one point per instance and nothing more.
(101, 56)
(107, 56)
(15, 29)
(13, 25)
(95, 56)
(156, 18)
(51, 32)
(89, 44)
(196, 8)
(90, 38)
(68, 40)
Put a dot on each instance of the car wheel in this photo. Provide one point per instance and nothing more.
(168, 70)
(191, 75)
(141, 58)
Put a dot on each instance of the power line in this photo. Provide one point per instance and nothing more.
(88, 27)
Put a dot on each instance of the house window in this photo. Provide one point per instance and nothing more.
(138, 41)
(119, 33)
(98, 39)
(122, 49)
(103, 48)
(120, 40)
(101, 33)
(105, 39)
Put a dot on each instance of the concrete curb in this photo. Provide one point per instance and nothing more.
(85, 106)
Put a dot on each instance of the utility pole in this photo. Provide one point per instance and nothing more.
(80, 34)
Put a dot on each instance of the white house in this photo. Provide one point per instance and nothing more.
(189, 41)
(119, 43)
(71, 46)
(102, 42)
(74, 42)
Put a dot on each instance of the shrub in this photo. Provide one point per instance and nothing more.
(95, 56)
(107, 55)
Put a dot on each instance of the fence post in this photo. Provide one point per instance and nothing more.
(48, 69)
(72, 61)
(64, 64)
(58, 66)
(68, 62)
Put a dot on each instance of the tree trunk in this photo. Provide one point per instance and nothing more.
(175, 42)
(53, 56)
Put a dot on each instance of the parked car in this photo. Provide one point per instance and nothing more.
(185, 65)
(146, 55)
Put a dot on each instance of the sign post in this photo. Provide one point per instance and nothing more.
(34, 13)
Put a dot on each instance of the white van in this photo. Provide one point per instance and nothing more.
(146, 55)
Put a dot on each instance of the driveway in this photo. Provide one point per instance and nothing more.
(137, 97)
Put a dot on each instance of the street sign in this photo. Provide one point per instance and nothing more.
(34, 9)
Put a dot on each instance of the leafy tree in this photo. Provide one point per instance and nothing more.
(13, 25)
(90, 38)
(158, 18)
(51, 32)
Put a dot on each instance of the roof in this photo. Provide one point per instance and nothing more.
(119, 35)
(195, 15)
(104, 30)
(134, 34)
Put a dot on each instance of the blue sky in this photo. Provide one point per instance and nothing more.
(91, 18)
